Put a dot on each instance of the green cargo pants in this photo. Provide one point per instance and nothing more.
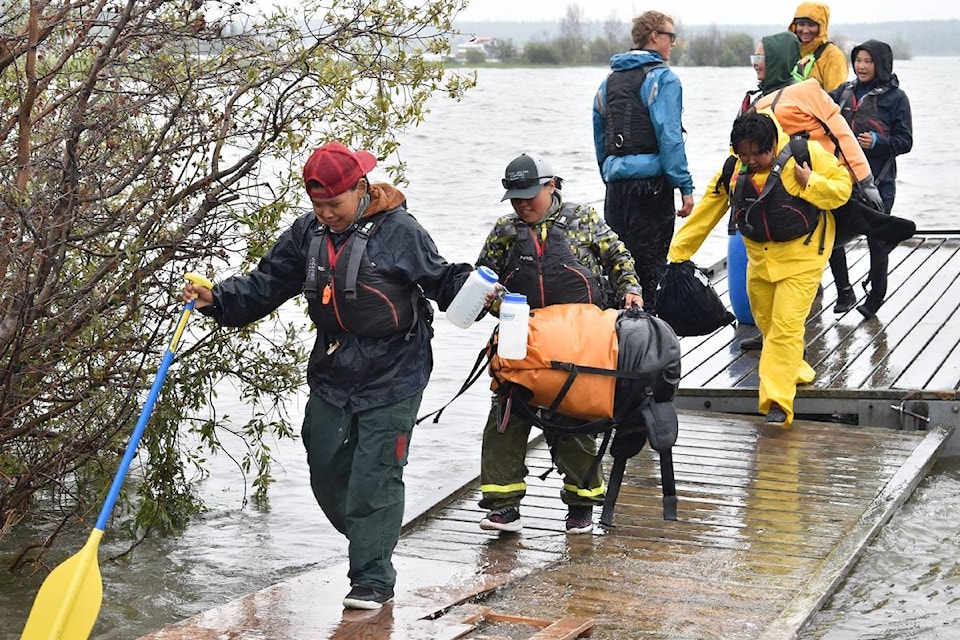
(503, 469)
(356, 465)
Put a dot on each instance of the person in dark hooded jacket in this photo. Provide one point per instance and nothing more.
(366, 267)
(878, 112)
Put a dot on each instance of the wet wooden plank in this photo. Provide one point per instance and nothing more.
(764, 513)
(909, 296)
(842, 558)
(937, 331)
(652, 579)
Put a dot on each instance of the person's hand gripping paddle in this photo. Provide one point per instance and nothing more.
(68, 603)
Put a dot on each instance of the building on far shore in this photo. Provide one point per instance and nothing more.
(482, 47)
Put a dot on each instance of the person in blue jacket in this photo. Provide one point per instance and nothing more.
(638, 137)
(878, 112)
(366, 268)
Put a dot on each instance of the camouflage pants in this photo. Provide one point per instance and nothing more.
(503, 469)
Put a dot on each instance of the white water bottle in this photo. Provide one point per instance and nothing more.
(469, 301)
(514, 323)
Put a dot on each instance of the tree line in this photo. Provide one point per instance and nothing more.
(574, 47)
(579, 42)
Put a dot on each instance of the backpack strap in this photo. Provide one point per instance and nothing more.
(726, 174)
(846, 96)
(729, 166)
(310, 282)
(799, 145)
(361, 236)
(775, 171)
(799, 148)
(801, 70)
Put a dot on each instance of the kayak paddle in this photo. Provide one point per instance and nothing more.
(68, 602)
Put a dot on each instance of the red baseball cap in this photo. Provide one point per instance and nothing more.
(334, 169)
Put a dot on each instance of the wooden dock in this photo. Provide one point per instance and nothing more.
(899, 370)
(770, 520)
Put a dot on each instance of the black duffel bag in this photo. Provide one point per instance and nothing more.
(687, 301)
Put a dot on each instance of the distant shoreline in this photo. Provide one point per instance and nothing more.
(921, 37)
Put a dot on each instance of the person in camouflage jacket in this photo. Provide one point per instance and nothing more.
(554, 253)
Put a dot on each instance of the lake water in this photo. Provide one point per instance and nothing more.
(906, 586)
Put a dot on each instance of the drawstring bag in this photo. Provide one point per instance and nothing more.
(687, 301)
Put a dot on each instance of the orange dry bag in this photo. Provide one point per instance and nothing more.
(564, 342)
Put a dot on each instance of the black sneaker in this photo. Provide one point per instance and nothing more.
(752, 344)
(579, 519)
(366, 598)
(502, 519)
(776, 415)
(869, 308)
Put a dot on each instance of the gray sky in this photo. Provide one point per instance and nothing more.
(705, 12)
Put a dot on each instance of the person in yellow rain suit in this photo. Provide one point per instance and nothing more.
(821, 59)
(782, 208)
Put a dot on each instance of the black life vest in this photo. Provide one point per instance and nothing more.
(550, 272)
(629, 130)
(773, 214)
(864, 114)
(347, 293)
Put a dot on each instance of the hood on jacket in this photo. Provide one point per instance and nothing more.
(882, 56)
(383, 196)
(781, 51)
(819, 13)
(633, 59)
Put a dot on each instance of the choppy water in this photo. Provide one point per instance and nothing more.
(905, 586)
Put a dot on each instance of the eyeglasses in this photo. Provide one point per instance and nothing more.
(756, 58)
(522, 183)
(673, 35)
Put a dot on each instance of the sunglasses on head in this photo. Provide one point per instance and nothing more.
(521, 183)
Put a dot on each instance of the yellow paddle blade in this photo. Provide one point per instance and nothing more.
(68, 603)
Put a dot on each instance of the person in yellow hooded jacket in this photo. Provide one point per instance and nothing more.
(820, 59)
(786, 253)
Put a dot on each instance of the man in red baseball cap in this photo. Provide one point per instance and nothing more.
(366, 268)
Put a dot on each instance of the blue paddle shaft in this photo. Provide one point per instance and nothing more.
(142, 421)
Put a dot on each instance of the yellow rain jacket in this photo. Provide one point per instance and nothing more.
(830, 67)
(782, 277)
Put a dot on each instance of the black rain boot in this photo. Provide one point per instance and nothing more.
(846, 300)
(870, 307)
